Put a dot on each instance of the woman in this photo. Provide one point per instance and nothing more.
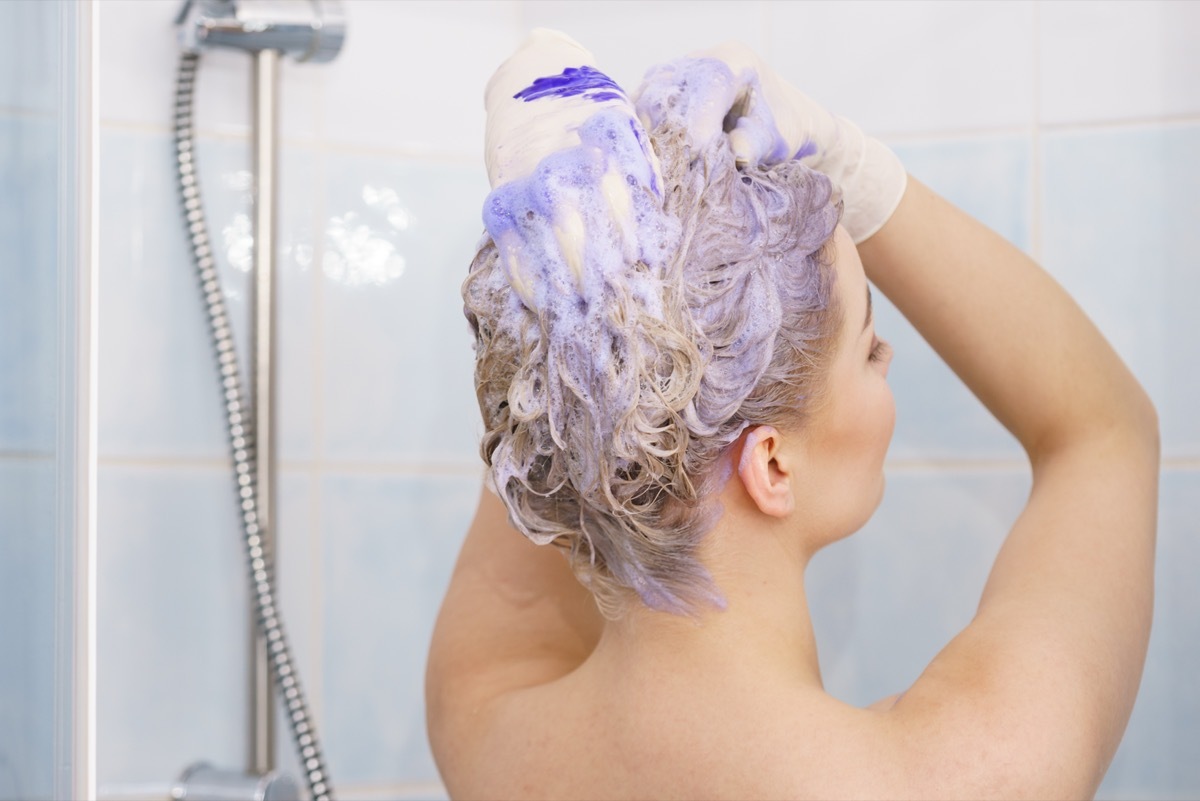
(690, 484)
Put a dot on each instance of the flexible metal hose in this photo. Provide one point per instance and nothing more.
(241, 441)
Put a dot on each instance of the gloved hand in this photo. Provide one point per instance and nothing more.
(576, 186)
(729, 89)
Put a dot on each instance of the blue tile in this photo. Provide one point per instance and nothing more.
(174, 616)
(389, 546)
(1119, 222)
(30, 47)
(27, 628)
(173, 625)
(28, 283)
(159, 390)
(298, 590)
(396, 351)
(936, 415)
(1157, 758)
(886, 600)
(990, 178)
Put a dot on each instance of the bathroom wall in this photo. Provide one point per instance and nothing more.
(1072, 129)
(31, 275)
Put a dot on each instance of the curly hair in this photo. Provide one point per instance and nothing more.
(610, 440)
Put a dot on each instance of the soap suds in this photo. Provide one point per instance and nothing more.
(633, 318)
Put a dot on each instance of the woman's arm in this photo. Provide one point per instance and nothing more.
(514, 616)
(1045, 676)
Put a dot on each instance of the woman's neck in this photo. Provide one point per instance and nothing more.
(764, 629)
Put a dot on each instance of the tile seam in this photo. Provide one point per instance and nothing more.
(26, 456)
(321, 143)
(462, 469)
(316, 470)
(1035, 172)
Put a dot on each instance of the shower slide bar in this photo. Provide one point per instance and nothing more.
(307, 30)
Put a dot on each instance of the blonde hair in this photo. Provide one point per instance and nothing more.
(618, 468)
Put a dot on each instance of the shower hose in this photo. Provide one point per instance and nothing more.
(241, 441)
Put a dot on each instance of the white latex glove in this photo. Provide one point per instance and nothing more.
(729, 89)
(576, 185)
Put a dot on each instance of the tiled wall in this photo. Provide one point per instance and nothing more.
(29, 280)
(1072, 129)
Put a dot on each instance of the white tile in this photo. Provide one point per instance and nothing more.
(411, 75)
(139, 58)
(1118, 60)
(923, 66)
(396, 350)
(158, 383)
(173, 624)
(629, 38)
(389, 547)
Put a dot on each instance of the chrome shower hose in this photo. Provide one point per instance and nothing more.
(241, 441)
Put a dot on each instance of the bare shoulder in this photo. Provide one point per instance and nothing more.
(513, 617)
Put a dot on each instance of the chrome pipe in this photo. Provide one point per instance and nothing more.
(263, 369)
(243, 444)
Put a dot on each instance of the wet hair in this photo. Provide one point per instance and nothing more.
(620, 466)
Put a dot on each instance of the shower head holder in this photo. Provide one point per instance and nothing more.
(306, 30)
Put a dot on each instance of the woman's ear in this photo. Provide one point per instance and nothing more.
(766, 474)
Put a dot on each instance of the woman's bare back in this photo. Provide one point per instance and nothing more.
(593, 735)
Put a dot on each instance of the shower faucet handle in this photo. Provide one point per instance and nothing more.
(306, 30)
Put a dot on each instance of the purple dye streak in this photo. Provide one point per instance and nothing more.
(587, 81)
(806, 149)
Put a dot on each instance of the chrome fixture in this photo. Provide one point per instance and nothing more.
(203, 782)
(308, 30)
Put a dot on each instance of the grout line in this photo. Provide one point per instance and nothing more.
(316, 603)
(147, 791)
(316, 531)
(445, 470)
(167, 129)
(165, 462)
(459, 159)
(1131, 124)
(945, 464)
(413, 153)
(307, 142)
(950, 465)
(27, 456)
(390, 790)
(518, 10)
(766, 16)
(347, 466)
(16, 112)
(951, 134)
(956, 134)
(156, 791)
(318, 467)
(1035, 185)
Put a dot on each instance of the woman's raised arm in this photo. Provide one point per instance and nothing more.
(1048, 670)
(514, 616)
